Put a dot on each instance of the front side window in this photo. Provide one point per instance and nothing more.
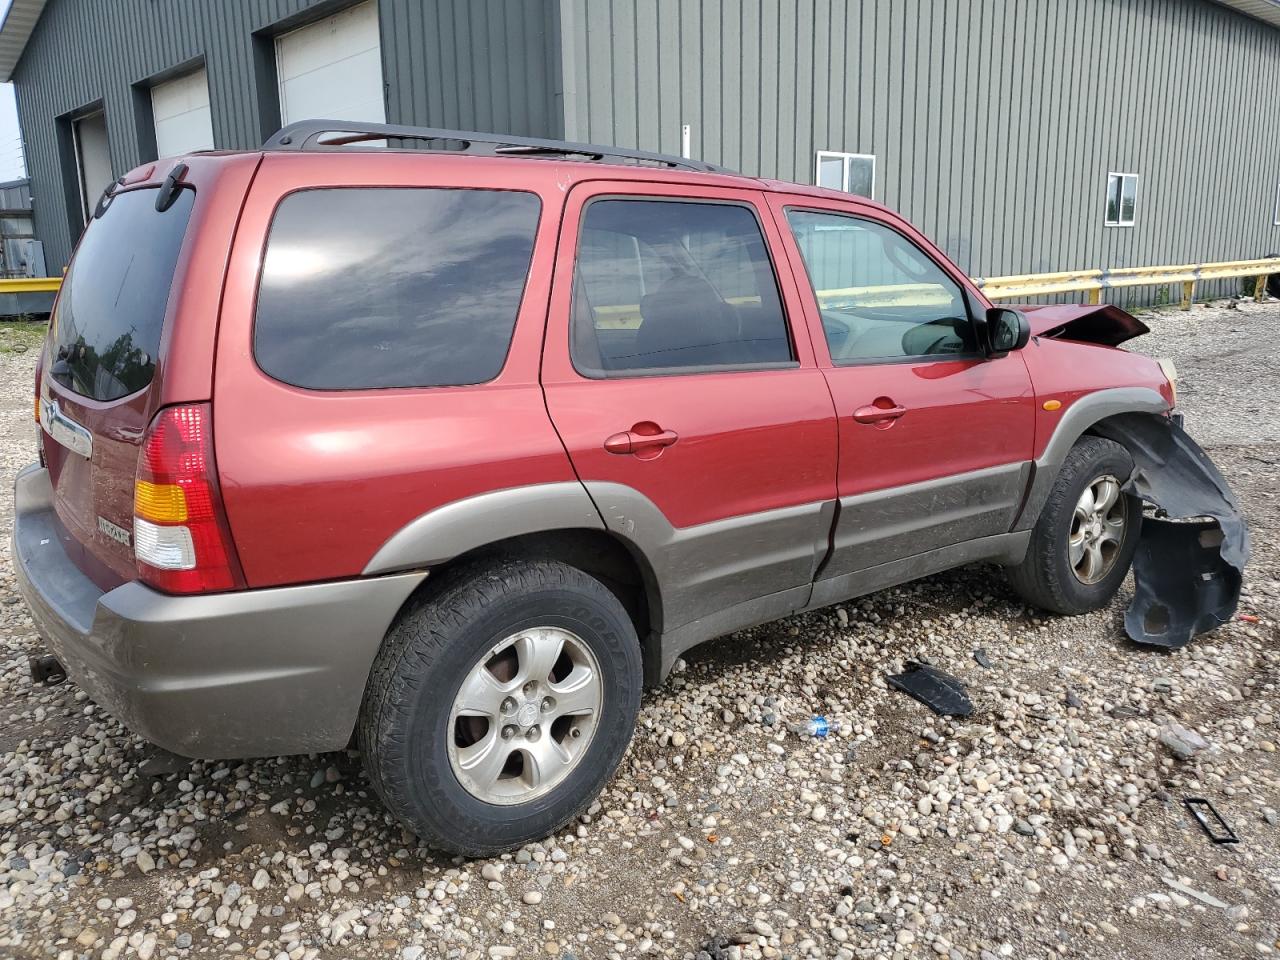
(392, 287)
(850, 172)
(1122, 199)
(662, 285)
(880, 296)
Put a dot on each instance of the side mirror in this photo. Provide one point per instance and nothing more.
(1007, 330)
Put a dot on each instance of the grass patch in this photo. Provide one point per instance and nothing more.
(19, 336)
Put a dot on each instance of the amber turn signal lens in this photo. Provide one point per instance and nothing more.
(1052, 405)
(159, 502)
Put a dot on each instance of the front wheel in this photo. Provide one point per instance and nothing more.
(500, 705)
(1086, 535)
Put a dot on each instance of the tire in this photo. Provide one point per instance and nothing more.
(1047, 577)
(416, 744)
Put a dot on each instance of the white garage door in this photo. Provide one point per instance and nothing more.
(180, 109)
(333, 68)
(93, 156)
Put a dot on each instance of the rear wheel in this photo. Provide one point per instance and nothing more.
(1086, 535)
(500, 705)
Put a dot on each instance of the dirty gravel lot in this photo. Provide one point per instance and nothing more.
(1048, 824)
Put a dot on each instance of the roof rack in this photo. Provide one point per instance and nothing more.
(308, 134)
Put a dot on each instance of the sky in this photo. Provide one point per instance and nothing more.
(11, 162)
(12, 166)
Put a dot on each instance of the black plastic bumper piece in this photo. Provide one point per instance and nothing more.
(1189, 567)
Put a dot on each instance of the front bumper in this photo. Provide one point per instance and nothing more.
(244, 674)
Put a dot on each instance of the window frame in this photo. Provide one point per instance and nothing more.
(811, 290)
(845, 158)
(1120, 221)
(264, 240)
(589, 374)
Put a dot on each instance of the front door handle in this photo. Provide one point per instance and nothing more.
(644, 440)
(882, 411)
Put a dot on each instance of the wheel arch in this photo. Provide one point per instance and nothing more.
(552, 521)
(1079, 419)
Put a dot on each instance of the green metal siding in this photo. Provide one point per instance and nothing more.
(472, 64)
(994, 122)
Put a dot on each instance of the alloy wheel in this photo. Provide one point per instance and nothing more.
(524, 715)
(1097, 529)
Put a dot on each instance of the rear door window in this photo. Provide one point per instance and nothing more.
(107, 324)
(674, 286)
(392, 287)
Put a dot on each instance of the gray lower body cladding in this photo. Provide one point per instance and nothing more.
(251, 673)
(729, 574)
(918, 518)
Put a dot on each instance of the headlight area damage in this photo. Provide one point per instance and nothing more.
(1190, 560)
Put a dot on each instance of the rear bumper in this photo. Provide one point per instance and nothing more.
(245, 674)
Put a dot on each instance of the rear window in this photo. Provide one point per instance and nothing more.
(106, 327)
(392, 286)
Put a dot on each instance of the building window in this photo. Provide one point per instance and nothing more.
(1122, 199)
(850, 172)
(1275, 216)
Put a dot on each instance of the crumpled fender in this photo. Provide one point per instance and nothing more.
(1190, 561)
(1083, 322)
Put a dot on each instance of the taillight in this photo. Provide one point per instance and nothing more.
(180, 537)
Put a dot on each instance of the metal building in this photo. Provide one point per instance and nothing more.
(1024, 135)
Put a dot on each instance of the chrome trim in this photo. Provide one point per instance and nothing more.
(66, 431)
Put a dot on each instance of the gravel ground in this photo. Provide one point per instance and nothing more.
(1050, 823)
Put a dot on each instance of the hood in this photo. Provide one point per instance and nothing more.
(1083, 322)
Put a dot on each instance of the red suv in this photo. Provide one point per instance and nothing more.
(450, 450)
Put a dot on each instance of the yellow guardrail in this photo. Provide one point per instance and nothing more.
(31, 285)
(1093, 282)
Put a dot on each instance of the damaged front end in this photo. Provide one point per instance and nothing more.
(1190, 561)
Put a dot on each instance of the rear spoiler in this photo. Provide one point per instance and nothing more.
(1102, 324)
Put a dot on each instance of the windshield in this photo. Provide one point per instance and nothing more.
(106, 326)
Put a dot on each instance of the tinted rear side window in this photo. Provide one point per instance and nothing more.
(106, 327)
(392, 287)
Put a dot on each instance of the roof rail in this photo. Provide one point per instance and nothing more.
(307, 134)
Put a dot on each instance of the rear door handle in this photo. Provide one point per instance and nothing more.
(641, 440)
(883, 410)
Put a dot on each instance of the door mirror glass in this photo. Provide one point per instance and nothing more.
(1006, 330)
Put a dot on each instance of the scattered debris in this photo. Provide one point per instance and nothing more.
(1219, 831)
(940, 692)
(981, 658)
(1206, 899)
(818, 727)
(1186, 575)
(161, 763)
(1182, 742)
(46, 670)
